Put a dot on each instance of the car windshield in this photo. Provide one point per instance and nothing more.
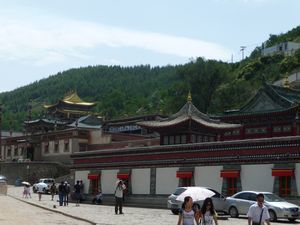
(273, 198)
(179, 191)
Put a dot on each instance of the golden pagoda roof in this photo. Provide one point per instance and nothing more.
(72, 99)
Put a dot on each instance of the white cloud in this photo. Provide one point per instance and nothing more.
(56, 41)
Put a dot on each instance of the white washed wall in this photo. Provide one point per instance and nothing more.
(83, 175)
(208, 176)
(297, 177)
(166, 180)
(140, 179)
(257, 177)
(108, 181)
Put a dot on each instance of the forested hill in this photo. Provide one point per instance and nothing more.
(128, 91)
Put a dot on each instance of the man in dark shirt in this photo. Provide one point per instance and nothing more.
(77, 188)
(61, 193)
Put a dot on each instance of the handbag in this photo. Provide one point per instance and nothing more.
(254, 223)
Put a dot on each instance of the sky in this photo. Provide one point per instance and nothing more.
(39, 38)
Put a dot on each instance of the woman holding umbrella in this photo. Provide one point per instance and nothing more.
(187, 216)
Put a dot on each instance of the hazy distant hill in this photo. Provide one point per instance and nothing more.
(127, 91)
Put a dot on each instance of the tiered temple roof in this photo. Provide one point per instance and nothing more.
(70, 111)
(71, 99)
(188, 113)
(269, 98)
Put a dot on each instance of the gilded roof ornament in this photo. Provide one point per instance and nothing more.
(189, 97)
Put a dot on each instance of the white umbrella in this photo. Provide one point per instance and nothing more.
(26, 183)
(197, 194)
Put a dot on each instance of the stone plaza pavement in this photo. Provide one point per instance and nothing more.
(100, 214)
(14, 212)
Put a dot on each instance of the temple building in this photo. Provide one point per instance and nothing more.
(71, 107)
(69, 111)
(240, 150)
(189, 125)
(256, 147)
(272, 112)
(67, 126)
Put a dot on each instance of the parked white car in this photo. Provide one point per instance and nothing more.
(239, 203)
(44, 184)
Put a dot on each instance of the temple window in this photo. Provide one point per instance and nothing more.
(16, 151)
(193, 138)
(231, 185)
(227, 133)
(236, 132)
(285, 176)
(166, 140)
(199, 138)
(171, 140)
(286, 128)
(211, 139)
(186, 182)
(46, 148)
(8, 152)
(277, 129)
(177, 139)
(284, 186)
(205, 139)
(257, 130)
(183, 139)
(66, 146)
(22, 151)
(56, 146)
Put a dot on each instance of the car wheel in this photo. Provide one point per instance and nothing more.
(292, 219)
(175, 211)
(273, 216)
(34, 190)
(233, 212)
(44, 190)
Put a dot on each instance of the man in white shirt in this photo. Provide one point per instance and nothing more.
(258, 213)
(119, 197)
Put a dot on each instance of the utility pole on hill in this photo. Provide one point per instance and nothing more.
(242, 50)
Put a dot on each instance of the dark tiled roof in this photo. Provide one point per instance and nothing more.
(268, 99)
(188, 112)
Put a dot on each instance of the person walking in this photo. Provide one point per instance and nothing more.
(187, 216)
(28, 191)
(61, 193)
(119, 197)
(258, 213)
(81, 191)
(25, 192)
(40, 190)
(67, 192)
(77, 192)
(52, 190)
(208, 214)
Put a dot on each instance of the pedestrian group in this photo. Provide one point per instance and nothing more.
(190, 213)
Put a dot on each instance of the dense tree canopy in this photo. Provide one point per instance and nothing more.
(128, 91)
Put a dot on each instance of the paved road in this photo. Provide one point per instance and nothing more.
(99, 214)
(14, 212)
